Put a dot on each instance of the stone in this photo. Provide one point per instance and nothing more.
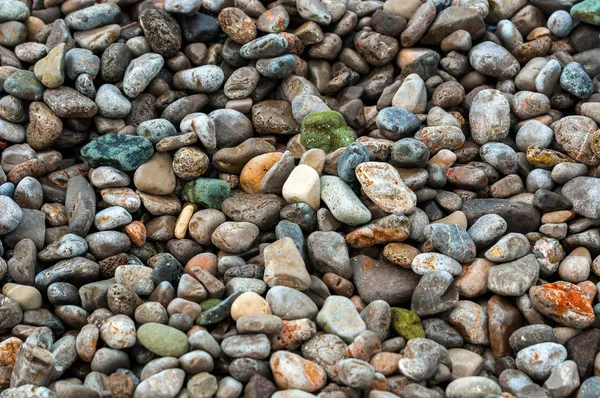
(380, 280)
(563, 380)
(290, 304)
(342, 202)
(452, 240)
(339, 316)
(166, 383)
(538, 360)
(50, 70)
(435, 293)
(396, 122)
(422, 358)
(163, 340)
(325, 130)
(284, 265)
(140, 73)
(488, 126)
(303, 185)
(470, 320)
(291, 371)
(580, 191)
(566, 303)
(474, 386)
(117, 150)
(502, 279)
(208, 192)
(407, 324)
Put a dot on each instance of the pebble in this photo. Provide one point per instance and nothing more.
(284, 265)
(538, 360)
(574, 72)
(565, 302)
(342, 202)
(303, 186)
(140, 73)
(493, 60)
(290, 304)
(339, 316)
(473, 386)
(162, 340)
(384, 186)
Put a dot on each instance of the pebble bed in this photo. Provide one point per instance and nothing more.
(293, 199)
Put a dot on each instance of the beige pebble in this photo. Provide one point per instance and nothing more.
(249, 303)
(183, 220)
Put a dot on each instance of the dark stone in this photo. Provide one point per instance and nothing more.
(519, 216)
(582, 349)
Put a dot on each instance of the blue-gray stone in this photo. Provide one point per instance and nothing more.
(301, 214)
(140, 73)
(288, 229)
(156, 129)
(80, 60)
(452, 240)
(409, 153)
(576, 81)
(111, 103)
(353, 155)
(268, 46)
(93, 17)
(590, 388)
(395, 122)
(7, 189)
(276, 68)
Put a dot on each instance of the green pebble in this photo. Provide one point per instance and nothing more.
(587, 11)
(209, 303)
(325, 130)
(207, 192)
(23, 84)
(407, 323)
(163, 340)
(127, 152)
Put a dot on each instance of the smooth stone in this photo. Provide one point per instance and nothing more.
(538, 360)
(284, 265)
(339, 316)
(502, 278)
(488, 126)
(140, 73)
(382, 183)
(163, 340)
(343, 202)
(566, 303)
(472, 387)
(379, 280)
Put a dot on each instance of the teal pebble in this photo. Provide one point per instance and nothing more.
(207, 192)
(127, 152)
(587, 11)
(13, 10)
